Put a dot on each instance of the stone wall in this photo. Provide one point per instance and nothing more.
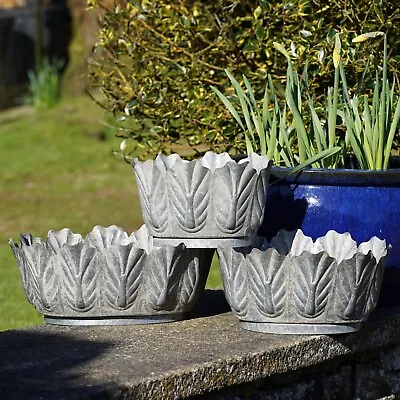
(208, 356)
(373, 375)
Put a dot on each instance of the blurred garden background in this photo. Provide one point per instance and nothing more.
(57, 166)
(62, 105)
(57, 163)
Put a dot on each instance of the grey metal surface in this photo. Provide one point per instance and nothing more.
(158, 319)
(300, 329)
(294, 280)
(109, 274)
(211, 197)
(209, 243)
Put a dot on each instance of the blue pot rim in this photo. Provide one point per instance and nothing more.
(337, 177)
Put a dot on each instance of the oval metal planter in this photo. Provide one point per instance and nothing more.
(204, 202)
(363, 203)
(110, 278)
(296, 286)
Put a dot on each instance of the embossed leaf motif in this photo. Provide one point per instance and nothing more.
(375, 286)
(353, 285)
(39, 260)
(236, 183)
(37, 264)
(380, 250)
(233, 270)
(260, 195)
(123, 275)
(143, 174)
(195, 267)
(24, 270)
(32, 255)
(190, 183)
(267, 272)
(49, 282)
(164, 273)
(79, 276)
(312, 282)
(153, 194)
(190, 277)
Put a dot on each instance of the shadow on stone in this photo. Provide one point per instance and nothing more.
(211, 303)
(25, 364)
(209, 356)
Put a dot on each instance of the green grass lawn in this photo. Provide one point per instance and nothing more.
(57, 171)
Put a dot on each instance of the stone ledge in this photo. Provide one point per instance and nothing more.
(177, 360)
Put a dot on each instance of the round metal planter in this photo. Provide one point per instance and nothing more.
(363, 203)
(293, 285)
(202, 201)
(110, 278)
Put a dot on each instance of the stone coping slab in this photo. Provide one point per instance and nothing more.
(167, 361)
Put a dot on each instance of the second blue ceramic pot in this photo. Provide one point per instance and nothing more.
(362, 202)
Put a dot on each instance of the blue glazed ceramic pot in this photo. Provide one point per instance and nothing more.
(364, 203)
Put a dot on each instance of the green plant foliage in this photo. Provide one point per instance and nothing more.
(155, 61)
(296, 134)
(44, 86)
(372, 123)
(269, 131)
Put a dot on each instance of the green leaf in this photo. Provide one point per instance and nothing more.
(257, 12)
(318, 128)
(244, 103)
(393, 128)
(310, 161)
(257, 119)
(281, 49)
(229, 106)
(366, 36)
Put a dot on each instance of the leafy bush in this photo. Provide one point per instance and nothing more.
(156, 60)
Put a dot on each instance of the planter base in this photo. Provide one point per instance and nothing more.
(143, 320)
(300, 329)
(203, 243)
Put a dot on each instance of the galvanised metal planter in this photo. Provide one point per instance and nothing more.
(296, 286)
(363, 203)
(110, 278)
(204, 202)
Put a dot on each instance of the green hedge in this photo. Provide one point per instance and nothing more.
(157, 59)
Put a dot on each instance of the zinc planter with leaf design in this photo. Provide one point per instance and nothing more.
(110, 278)
(296, 286)
(204, 202)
